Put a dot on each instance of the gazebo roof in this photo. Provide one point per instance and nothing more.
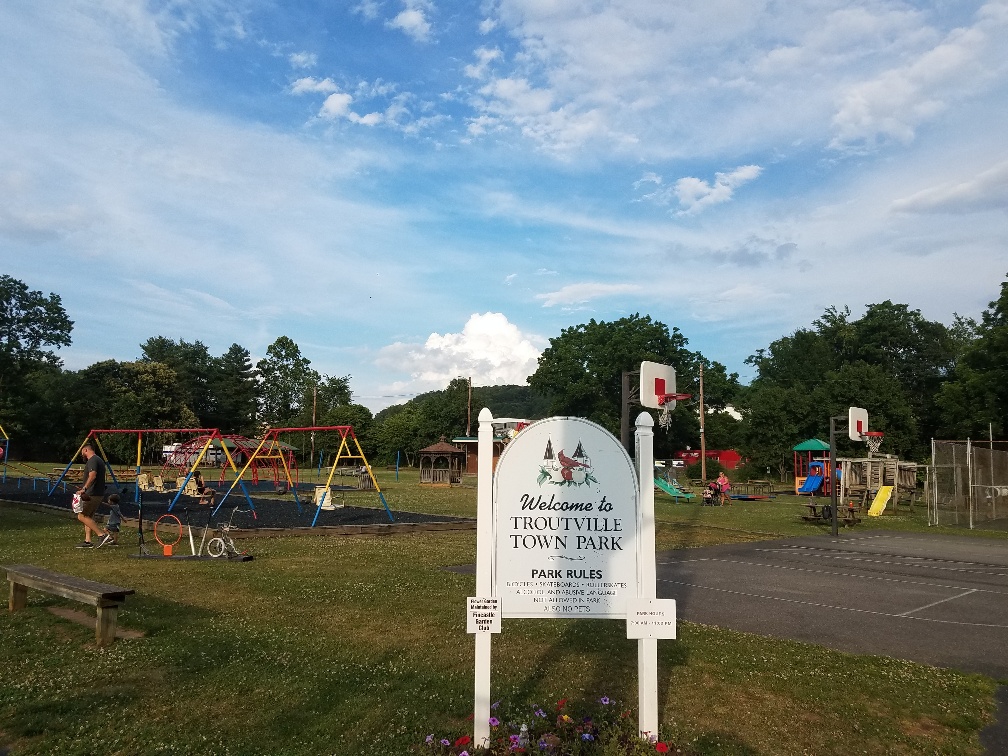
(441, 447)
(812, 444)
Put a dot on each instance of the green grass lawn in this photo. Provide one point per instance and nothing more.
(357, 644)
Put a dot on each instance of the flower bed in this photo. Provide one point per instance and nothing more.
(598, 727)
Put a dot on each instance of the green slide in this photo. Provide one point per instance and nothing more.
(672, 489)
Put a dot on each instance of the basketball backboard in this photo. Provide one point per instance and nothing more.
(857, 423)
(656, 380)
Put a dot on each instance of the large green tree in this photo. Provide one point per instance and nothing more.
(286, 383)
(31, 325)
(975, 402)
(891, 361)
(234, 390)
(192, 365)
(581, 372)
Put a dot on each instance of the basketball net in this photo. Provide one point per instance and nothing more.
(665, 401)
(665, 416)
(874, 442)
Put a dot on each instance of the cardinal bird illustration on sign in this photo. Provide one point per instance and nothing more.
(562, 470)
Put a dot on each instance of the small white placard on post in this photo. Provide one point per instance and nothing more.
(484, 615)
(651, 618)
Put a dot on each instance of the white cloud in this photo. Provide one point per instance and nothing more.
(369, 9)
(303, 60)
(581, 293)
(484, 57)
(311, 85)
(412, 20)
(695, 194)
(336, 105)
(734, 75)
(986, 191)
(490, 349)
(893, 103)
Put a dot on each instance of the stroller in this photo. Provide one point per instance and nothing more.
(711, 495)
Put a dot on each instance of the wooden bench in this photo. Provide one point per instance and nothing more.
(105, 597)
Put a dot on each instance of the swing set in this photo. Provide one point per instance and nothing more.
(205, 436)
(273, 452)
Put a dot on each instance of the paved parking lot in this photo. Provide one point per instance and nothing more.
(940, 600)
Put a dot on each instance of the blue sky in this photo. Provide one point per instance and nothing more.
(415, 190)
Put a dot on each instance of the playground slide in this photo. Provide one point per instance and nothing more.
(673, 491)
(881, 499)
(812, 484)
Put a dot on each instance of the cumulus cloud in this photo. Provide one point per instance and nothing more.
(311, 85)
(693, 194)
(986, 191)
(412, 20)
(490, 349)
(336, 105)
(696, 194)
(581, 293)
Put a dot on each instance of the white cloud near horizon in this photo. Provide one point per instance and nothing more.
(988, 190)
(582, 293)
(489, 349)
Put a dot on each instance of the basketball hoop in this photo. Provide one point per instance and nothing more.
(666, 401)
(874, 440)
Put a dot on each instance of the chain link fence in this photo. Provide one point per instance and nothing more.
(968, 484)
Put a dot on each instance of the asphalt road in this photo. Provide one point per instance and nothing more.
(940, 600)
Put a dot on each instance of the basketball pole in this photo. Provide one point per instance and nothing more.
(832, 470)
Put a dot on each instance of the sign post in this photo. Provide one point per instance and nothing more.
(647, 647)
(484, 546)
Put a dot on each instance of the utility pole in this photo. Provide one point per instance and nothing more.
(469, 410)
(631, 393)
(703, 440)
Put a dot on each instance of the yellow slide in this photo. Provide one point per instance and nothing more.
(881, 499)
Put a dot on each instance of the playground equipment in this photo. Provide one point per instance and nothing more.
(811, 458)
(271, 449)
(142, 481)
(814, 480)
(672, 489)
(881, 499)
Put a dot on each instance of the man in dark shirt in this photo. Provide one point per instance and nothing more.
(91, 495)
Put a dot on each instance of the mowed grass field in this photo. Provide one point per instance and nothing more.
(357, 645)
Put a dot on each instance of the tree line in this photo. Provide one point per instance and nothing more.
(918, 379)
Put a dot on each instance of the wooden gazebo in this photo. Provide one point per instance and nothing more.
(441, 464)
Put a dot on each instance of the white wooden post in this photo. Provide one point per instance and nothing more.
(647, 648)
(484, 557)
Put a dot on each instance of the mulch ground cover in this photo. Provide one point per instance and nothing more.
(271, 510)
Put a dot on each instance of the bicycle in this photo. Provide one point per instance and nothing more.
(222, 544)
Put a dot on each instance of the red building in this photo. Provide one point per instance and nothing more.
(729, 459)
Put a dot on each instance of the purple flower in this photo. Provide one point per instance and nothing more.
(429, 739)
(587, 736)
(464, 753)
(540, 713)
(445, 742)
(494, 722)
(494, 705)
(604, 700)
(514, 739)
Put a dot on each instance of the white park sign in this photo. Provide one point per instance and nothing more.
(565, 522)
(565, 528)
